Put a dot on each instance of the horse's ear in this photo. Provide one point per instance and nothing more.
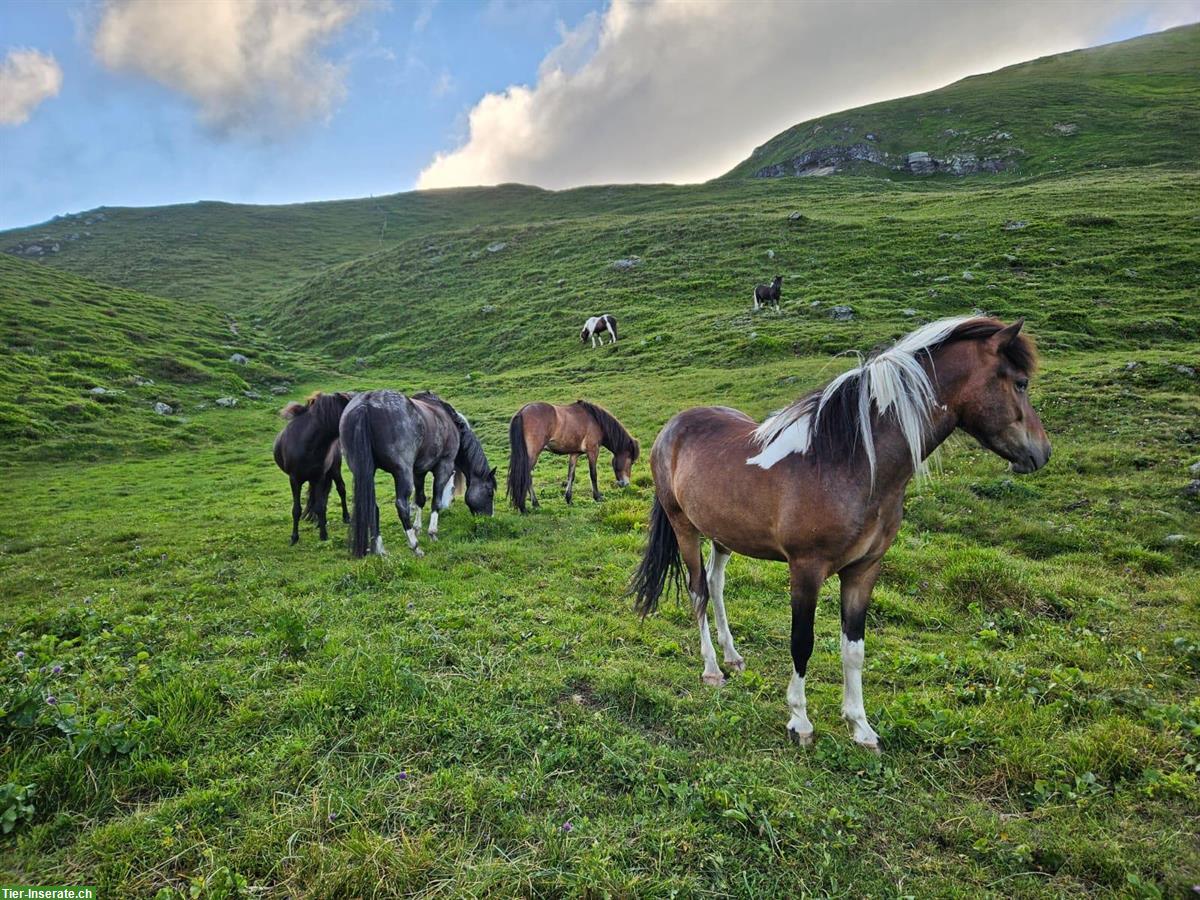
(1005, 336)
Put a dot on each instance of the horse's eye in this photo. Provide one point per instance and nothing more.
(1021, 384)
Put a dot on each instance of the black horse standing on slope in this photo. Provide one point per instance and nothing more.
(409, 438)
(768, 294)
(307, 450)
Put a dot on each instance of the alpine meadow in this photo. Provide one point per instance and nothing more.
(190, 706)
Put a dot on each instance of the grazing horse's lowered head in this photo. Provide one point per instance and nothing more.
(820, 485)
(470, 463)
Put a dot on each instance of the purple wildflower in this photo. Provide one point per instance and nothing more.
(567, 827)
(403, 776)
(52, 700)
(332, 816)
(20, 654)
(57, 670)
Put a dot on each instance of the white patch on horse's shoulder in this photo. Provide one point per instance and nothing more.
(795, 438)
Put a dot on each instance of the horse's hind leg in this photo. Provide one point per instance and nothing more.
(689, 549)
(296, 485)
(716, 591)
(341, 489)
(419, 500)
(404, 486)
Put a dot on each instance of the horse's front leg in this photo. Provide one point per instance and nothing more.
(443, 494)
(806, 585)
(572, 460)
(404, 486)
(592, 454)
(857, 583)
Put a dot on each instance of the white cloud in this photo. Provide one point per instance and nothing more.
(27, 77)
(249, 66)
(664, 90)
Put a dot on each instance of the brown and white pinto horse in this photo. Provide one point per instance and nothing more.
(820, 485)
(579, 428)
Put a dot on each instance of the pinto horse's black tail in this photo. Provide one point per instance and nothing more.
(660, 566)
(520, 472)
(356, 447)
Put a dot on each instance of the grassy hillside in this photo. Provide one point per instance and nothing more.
(1098, 262)
(237, 255)
(1132, 103)
(84, 365)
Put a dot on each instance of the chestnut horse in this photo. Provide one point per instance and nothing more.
(820, 485)
(307, 450)
(579, 428)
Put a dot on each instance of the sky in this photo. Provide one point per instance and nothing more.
(149, 102)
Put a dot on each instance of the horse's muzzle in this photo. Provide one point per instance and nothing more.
(1033, 458)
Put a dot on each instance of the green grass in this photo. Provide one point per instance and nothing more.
(1136, 102)
(236, 715)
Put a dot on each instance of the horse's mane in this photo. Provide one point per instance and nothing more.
(614, 436)
(325, 408)
(471, 459)
(833, 421)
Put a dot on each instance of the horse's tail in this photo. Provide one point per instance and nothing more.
(360, 457)
(520, 473)
(310, 509)
(460, 483)
(660, 565)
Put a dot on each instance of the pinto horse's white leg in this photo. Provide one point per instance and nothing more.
(799, 725)
(857, 583)
(853, 711)
(716, 592)
(417, 520)
(712, 671)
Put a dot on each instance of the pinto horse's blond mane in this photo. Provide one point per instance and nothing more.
(893, 380)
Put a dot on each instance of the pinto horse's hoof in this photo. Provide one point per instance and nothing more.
(432, 535)
(801, 739)
(737, 664)
(713, 679)
(418, 552)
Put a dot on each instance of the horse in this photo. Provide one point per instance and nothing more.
(581, 427)
(820, 485)
(595, 327)
(307, 450)
(409, 438)
(768, 293)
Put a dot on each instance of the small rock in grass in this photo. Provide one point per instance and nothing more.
(770, 254)
(967, 276)
(1186, 370)
(910, 312)
(1194, 469)
(1131, 273)
(1175, 539)
(496, 247)
(841, 313)
(98, 391)
(238, 359)
(942, 278)
(252, 395)
(227, 402)
(1131, 365)
(627, 263)
(163, 409)
(487, 309)
(1193, 488)
(1015, 224)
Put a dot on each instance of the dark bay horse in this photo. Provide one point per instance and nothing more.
(820, 485)
(409, 438)
(579, 428)
(307, 450)
(768, 294)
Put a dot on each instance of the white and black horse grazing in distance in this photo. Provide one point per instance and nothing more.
(307, 450)
(409, 438)
(596, 326)
(768, 294)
